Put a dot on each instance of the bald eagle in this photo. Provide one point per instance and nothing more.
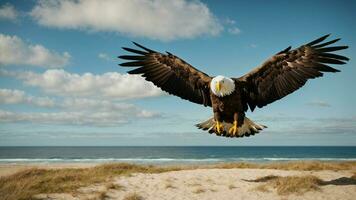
(230, 98)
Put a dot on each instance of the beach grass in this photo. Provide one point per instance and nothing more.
(297, 165)
(289, 184)
(112, 186)
(25, 184)
(133, 196)
(285, 185)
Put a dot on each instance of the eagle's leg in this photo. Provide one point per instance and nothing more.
(233, 130)
(218, 126)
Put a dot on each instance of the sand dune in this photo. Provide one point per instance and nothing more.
(224, 184)
(219, 183)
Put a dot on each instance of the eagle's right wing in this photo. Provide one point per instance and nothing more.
(170, 73)
(289, 70)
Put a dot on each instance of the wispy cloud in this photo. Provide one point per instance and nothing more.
(73, 118)
(234, 30)
(8, 12)
(324, 126)
(253, 45)
(297, 125)
(14, 51)
(229, 21)
(155, 19)
(231, 27)
(8, 96)
(319, 104)
(71, 111)
(82, 112)
(111, 85)
(105, 57)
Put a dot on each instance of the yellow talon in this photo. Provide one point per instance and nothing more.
(233, 130)
(218, 127)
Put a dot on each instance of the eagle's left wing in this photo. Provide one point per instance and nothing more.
(287, 71)
(170, 73)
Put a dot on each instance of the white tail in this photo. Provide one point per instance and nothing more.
(246, 129)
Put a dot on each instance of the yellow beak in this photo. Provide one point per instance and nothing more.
(218, 86)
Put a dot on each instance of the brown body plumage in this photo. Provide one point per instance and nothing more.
(225, 107)
(279, 76)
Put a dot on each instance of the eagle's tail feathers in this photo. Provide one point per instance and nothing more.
(246, 129)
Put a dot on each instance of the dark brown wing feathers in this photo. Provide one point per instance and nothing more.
(289, 70)
(170, 73)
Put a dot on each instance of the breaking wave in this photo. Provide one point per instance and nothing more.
(160, 160)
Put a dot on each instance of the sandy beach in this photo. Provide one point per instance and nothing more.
(203, 182)
(224, 184)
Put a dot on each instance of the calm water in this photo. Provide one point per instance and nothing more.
(166, 155)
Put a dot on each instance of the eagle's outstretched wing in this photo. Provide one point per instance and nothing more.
(170, 73)
(289, 70)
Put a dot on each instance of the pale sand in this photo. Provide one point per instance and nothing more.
(200, 184)
(223, 184)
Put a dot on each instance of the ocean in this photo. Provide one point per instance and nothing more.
(172, 155)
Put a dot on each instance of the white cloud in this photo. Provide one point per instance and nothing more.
(156, 19)
(105, 56)
(234, 30)
(124, 109)
(111, 85)
(42, 101)
(8, 96)
(71, 111)
(82, 112)
(231, 27)
(71, 118)
(11, 96)
(8, 12)
(14, 51)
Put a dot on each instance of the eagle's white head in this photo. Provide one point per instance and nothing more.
(222, 86)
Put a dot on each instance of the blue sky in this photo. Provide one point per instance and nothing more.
(60, 83)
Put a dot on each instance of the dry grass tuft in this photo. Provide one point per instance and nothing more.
(25, 184)
(113, 186)
(295, 184)
(133, 196)
(297, 165)
(102, 195)
(169, 185)
(289, 184)
(232, 186)
(199, 190)
(265, 178)
(262, 188)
